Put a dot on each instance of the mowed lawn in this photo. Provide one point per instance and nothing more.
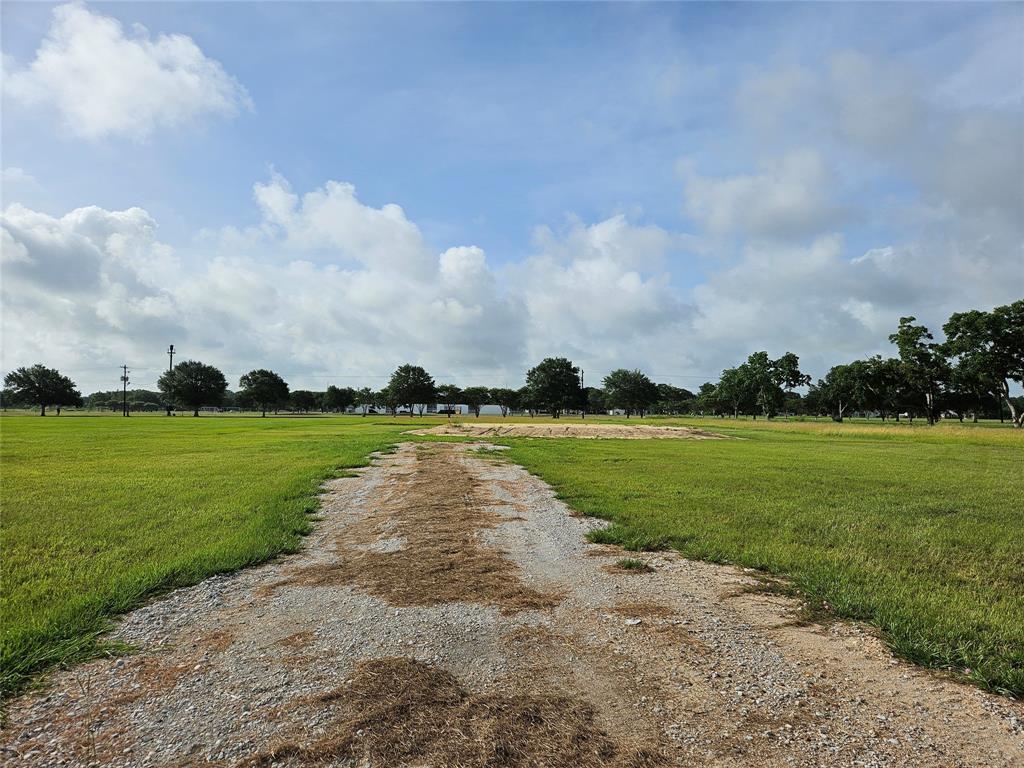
(918, 530)
(99, 511)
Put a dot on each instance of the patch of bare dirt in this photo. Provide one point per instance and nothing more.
(576, 429)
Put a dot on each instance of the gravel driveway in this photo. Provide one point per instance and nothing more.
(448, 611)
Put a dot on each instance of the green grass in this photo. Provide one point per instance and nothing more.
(919, 531)
(99, 512)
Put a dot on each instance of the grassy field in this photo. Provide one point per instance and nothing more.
(100, 511)
(918, 530)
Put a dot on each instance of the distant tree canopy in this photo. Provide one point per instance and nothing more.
(137, 398)
(988, 349)
(760, 385)
(673, 400)
(630, 391)
(305, 400)
(924, 365)
(596, 400)
(411, 384)
(41, 386)
(506, 399)
(970, 373)
(526, 400)
(475, 398)
(192, 384)
(263, 388)
(554, 386)
(449, 396)
(388, 400)
(339, 399)
(10, 399)
(365, 399)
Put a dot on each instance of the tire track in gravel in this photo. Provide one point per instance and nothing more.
(447, 610)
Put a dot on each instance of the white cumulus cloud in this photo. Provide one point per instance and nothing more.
(791, 196)
(105, 82)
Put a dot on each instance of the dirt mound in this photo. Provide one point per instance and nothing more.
(579, 430)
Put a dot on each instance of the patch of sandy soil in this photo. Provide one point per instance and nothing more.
(448, 611)
(576, 429)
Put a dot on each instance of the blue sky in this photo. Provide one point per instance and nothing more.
(755, 143)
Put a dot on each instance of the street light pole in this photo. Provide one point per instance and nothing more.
(170, 367)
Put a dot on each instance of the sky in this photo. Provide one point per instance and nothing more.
(330, 190)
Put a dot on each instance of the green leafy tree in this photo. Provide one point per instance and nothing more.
(707, 400)
(411, 384)
(838, 390)
(883, 386)
(972, 387)
(597, 400)
(758, 377)
(8, 399)
(733, 391)
(924, 365)
(339, 398)
(673, 400)
(263, 388)
(449, 396)
(794, 403)
(507, 399)
(304, 400)
(475, 398)
(990, 347)
(631, 391)
(527, 401)
(136, 398)
(554, 385)
(388, 400)
(769, 380)
(787, 374)
(41, 386)
(192, 384)
(365, 399)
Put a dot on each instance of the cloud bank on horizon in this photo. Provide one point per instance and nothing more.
(824, 197)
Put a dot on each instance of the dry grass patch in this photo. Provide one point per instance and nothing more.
(400, 711)
(644, 610)
(297, 639)
(438, 510)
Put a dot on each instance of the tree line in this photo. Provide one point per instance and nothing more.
(968, 374)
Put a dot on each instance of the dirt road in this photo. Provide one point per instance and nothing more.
(448, 611)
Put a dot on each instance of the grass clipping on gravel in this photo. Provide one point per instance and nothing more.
(438, 514)
(399, 711)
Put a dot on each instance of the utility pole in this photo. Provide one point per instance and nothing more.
(124, 390)
(583, 389)
(170, 367)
